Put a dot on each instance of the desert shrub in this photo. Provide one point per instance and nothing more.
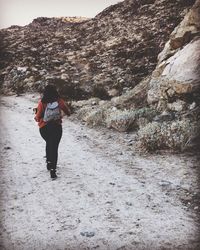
(100, 92)
(83, 112)
(111, 117)
(96, 117)
(167, 135)
(121, 120)
(129, 119)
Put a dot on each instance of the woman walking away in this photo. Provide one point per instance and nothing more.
(49, 119)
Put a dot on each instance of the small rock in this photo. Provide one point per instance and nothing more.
(164, 183)
(196, 208)
(22, 69)
(129, 203)
(128, 61)
(94, 103)
(88, 234)
(91, 194)
(130, 140)
(7, 148)
(192, 106)
(114, 108)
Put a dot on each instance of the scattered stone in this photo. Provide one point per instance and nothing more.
(192, 106)
(88, 234)
(91, 194)
(164, 183)
(129, 203)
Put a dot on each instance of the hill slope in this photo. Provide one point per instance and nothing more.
(114, 50)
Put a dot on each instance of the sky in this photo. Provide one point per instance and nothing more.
(22, 12)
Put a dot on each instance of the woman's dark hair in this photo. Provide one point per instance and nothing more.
(50, 94)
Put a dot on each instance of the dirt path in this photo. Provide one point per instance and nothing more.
(106, 196)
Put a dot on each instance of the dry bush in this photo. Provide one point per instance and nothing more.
(128, 120)
(174, 135)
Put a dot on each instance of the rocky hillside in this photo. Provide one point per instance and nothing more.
(99, 57)
(134, 67)
(163, 108)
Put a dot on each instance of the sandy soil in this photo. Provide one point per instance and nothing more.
(107, 196)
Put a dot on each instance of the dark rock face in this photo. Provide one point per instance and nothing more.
(89, 57)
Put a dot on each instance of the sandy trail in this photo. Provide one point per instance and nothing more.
(106, 196)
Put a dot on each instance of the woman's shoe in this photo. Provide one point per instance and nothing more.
(48, 165)
(53, 174)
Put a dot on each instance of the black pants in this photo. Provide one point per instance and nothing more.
(52, 134)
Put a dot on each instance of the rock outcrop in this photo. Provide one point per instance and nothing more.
(175, 87)
(177, 75)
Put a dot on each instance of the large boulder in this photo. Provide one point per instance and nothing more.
(177, 74)
(180, 75)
